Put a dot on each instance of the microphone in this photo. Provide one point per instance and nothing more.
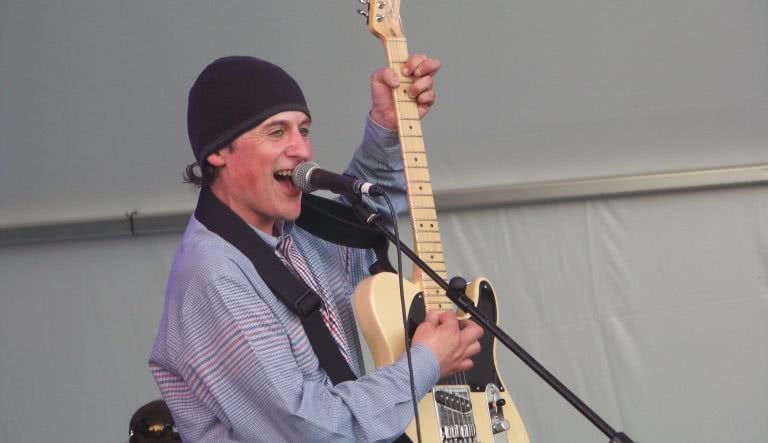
(308, 177)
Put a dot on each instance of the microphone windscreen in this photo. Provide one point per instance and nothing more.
(300, 176)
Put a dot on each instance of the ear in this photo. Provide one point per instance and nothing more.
(216, 159)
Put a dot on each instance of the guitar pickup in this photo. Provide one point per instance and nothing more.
(452, 401)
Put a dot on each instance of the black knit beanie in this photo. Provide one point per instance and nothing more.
(233, 95)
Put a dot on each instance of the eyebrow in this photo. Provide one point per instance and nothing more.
(304, 121)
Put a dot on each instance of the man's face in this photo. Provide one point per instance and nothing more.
(255, 175)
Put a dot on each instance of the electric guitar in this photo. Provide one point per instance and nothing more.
(470, 407)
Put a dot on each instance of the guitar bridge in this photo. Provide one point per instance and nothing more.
(454, 414)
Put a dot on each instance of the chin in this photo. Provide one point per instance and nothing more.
(292, 215)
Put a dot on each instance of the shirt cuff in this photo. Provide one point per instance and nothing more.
(385, 142)
(426, 369)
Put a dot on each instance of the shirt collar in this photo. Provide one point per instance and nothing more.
(282, 229)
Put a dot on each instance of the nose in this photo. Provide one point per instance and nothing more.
(299, 146)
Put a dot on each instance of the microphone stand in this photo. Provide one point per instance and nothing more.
(455, 292)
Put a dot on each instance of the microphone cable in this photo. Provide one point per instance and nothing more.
(403, 308)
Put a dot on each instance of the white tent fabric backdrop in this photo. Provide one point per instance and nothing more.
(653, 309)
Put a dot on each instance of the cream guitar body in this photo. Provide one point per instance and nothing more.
(492, 416)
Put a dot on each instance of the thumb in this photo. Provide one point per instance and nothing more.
(385, 77)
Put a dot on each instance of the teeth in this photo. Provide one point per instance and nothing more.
(284, 173)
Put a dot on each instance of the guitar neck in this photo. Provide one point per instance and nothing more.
(421, 202)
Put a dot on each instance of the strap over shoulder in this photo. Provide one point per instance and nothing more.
(292, 291)
(337, 223)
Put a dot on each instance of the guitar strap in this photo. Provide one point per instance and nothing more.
(294, 293)
(328, 220)
(337, 223)
(321, 217)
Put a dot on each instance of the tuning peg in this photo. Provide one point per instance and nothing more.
(363, 13)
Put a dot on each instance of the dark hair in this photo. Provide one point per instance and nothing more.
(204, 179)
(208, 173)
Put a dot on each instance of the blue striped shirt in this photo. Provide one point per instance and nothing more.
(234, 364)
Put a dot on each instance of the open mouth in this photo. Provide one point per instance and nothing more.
(284, 176)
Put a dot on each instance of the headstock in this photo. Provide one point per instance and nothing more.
(383, 18)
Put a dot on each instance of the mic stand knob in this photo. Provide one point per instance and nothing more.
(457, 294)
(458, 284)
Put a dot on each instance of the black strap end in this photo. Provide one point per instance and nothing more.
(307, 304)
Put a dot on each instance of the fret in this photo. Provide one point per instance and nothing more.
(423, 214)
(421, 188)
(431, 285)
(426, 231)
(434, 292)
(401, 93)
(434, 285)
(431, 237)
(419, 171)
(439, 307)
(436, 296)
(398, 50)
(413, 144)
(422, 201)
(438, 303)
(412, 128)
(436, 307)
(437, 266)
(442, 274)
(417, 174)
(415, 160)
(408, 112)
(426, 226)
(428, 247)
(433, 257)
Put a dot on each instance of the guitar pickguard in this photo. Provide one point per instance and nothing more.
(443, 411)
(484, 370)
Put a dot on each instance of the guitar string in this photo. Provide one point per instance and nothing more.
(399, 52)
(394, 58)
(456, 417)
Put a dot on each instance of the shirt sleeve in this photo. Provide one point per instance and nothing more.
(378, 160)
(239, 360)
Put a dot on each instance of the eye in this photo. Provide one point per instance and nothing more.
(304, 131)
(277, 133)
